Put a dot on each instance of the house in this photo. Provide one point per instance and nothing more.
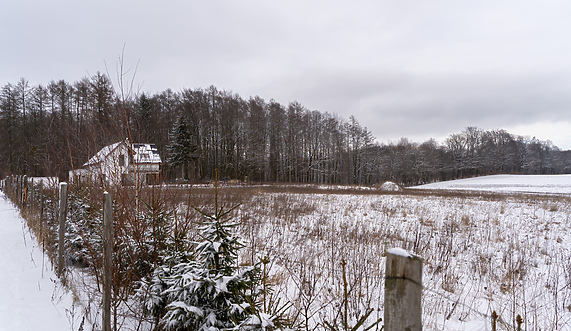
(121, 163)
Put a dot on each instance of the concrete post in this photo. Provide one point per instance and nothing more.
(403, 291)
(107, 256)
(62, 217)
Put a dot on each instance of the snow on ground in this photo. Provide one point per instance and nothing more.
(31, 296)
(551, 184)
(510, 254)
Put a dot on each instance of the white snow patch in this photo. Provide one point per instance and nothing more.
(264, 321)
(390, 187)
(45, 181)
(399, 252)
(551, 184)
(32, 296)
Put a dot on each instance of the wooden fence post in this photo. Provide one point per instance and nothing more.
(15, 189)
(519, 322)
(41, 194)
(403, 291)
(24, 191)
(31, 196)
(107, 257)
(62, 217)
(18, 197)
(494, 320)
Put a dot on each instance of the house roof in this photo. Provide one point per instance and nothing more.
(142, 153)
(146, 153)
(103, 153)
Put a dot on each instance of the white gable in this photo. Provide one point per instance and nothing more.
(103, 154)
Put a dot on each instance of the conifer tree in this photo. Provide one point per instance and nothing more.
(182, 149)
(208, 291)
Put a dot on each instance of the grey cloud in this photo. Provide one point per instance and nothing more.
(403, 104)
(413, 69)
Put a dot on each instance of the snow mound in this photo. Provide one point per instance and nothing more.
(399, 252)
(390, 187)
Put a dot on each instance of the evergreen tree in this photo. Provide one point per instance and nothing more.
(207, 291)
(182, 149)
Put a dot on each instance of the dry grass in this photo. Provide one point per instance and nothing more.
(473, 250)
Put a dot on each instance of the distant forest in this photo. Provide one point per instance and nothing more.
(48, 130)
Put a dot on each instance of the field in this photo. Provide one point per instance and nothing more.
(483, 251)
(535, 184)
(498, 245)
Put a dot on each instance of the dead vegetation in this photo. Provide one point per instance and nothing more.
(481, 251)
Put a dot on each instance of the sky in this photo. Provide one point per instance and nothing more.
(404, 68)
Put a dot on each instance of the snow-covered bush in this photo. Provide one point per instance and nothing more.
(83, 229)
(205, 289)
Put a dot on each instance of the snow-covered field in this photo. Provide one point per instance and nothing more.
(31, 296)
(551, 184)
(511, 254)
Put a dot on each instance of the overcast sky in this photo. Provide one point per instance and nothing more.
(415, 69)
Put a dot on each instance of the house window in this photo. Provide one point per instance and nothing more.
(121, 160)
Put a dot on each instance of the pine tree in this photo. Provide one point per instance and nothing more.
(207, 291)
(182, 149)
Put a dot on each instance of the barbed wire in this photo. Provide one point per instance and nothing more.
(457, 302)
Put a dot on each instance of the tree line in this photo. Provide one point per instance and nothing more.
(48, 130)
